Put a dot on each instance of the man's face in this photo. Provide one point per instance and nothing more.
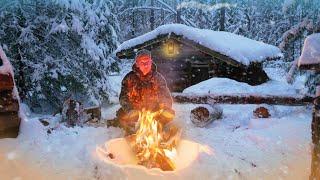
(144, 63)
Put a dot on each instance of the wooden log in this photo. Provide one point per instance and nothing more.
(93, 112)
(241, 99)
(203, 115)
(6, 82)
(72, 113)
(7, 102)
(9, 125)
(261, 112)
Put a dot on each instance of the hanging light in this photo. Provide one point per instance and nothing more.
(170, 48)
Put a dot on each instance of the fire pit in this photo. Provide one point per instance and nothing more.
(119, 152)
(153, 146)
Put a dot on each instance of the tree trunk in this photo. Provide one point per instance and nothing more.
(241, 99)
(152, 16)
(222, 17)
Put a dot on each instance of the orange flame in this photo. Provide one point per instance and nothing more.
(151, 144)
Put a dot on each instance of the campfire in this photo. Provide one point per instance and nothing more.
(154, 145)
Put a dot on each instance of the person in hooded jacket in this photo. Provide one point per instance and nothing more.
(143, 88)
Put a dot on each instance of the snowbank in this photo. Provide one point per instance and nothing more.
(241, 49)
(311, 51)
(277, 86)
(6, 67)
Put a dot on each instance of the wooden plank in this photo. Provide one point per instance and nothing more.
(6, 82)
(7, 102)
(9, 124)
(241, 99)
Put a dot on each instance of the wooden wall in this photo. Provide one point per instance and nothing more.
(191, 66)
(9, 108)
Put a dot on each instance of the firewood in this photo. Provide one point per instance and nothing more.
(7, 102)
(261, 112)
(94, 112)
(203, 115)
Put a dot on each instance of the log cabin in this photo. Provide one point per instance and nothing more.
(187, 55)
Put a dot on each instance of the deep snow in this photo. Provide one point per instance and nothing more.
(244, 147)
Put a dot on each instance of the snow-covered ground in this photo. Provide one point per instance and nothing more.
(243, 147)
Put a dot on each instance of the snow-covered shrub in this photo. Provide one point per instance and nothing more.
(60, 48)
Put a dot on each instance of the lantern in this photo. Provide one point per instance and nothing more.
(170, 48)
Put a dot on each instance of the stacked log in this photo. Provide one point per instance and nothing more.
(9, 108)
(203, 115)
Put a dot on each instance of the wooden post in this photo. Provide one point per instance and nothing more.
(315, 128)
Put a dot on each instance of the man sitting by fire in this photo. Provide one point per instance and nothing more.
(143, 88)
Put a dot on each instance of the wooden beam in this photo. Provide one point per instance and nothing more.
(241, 99)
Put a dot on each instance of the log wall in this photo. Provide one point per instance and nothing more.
(9, 108)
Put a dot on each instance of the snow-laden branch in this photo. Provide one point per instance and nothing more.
(295, 32)
(290, 74)
(187, 22)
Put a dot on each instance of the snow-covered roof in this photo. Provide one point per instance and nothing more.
(6, 67)
(239, 48)
(311, 51)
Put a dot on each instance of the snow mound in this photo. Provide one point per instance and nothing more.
(311, 50)
(6, 67)
(240, 48)
(277, 85)
(229, 86)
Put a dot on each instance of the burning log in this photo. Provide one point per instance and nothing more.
(205, 114)
(153, 144)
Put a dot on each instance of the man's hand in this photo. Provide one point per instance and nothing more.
(166, 115)
(129, 120)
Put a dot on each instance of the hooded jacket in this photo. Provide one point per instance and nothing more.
(148, 91)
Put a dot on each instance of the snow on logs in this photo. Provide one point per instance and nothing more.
(9, 103)
(241, 99)
(203, 115)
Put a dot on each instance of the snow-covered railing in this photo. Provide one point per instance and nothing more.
(241, 99)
